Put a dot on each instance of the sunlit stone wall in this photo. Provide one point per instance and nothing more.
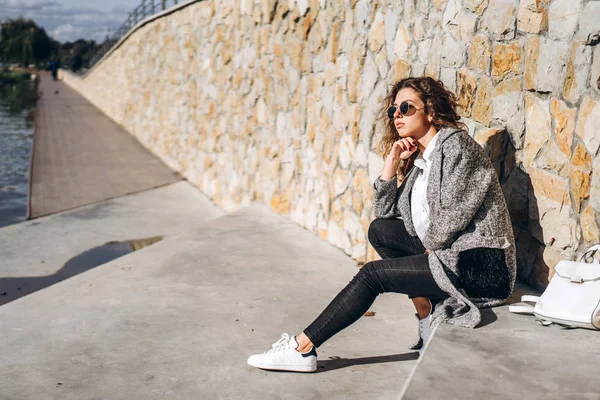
(274, 101)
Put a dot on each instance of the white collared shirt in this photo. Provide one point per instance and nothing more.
(418, 199)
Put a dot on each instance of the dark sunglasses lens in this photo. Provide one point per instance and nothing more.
(391, 112)
(407, 109)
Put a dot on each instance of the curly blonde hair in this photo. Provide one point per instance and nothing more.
(435, 97)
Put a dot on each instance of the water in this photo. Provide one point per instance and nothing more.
(16, 138)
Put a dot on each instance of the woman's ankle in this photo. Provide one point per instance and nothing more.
(304, 343)
(423, 306)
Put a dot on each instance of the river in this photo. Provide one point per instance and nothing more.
(16, 137)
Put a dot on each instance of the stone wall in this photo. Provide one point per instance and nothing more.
(274, 101)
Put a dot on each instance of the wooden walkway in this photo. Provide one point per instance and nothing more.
(81, 156)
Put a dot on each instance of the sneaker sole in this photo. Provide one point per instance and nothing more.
(282, 367)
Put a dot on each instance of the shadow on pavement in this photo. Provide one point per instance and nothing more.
(335, 362)
(14, 288)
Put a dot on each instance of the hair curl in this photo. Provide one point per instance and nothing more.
(438, 100)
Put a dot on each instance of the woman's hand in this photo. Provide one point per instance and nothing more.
(401, 150)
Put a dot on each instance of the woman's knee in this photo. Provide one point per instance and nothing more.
(375, 229)
(369, 276)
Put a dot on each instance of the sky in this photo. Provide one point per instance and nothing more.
(69, 20)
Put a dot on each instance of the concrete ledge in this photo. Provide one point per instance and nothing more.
(510, 357)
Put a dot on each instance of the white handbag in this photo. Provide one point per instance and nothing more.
(572, 297)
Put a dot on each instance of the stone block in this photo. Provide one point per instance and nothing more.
(527, 248)
(475, 6)
(499, 19)
(402, 41)
(532, 16)
(537, 127)
(595, 186)
(419, 30)
(448, 77)
(552, 159)
(558, 222)
(581, 158)
(377, 33)
(546, 260)
(482, 107)
(434, 59)
(589, 227)
(450, 19)
(391, 26)
(423, 50)
(494, 143)
(588, 124)
(338, 237)
(589, 28)
(532, 55)
(508, 60)
(595, 75)
(564, 125)
(516, 191)
(480, 54)
(376, 164)
(370, 76)
(362, 14)
(466, 86)
(578, 67)
(467, 24)
(563, 16)
(453, 52)
(580, 186)
(509, 109)
(347, 149)
(545, 73)
(400, 70)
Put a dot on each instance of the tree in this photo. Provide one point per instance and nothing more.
(22, 41)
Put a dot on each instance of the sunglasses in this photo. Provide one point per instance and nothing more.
(406, 110)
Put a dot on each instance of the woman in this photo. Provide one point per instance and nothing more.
(444, 234)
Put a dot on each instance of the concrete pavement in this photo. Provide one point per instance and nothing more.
(80, 156)
(178, 319)
(33, 251)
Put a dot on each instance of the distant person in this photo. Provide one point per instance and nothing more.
(54, 69)
(444, 235)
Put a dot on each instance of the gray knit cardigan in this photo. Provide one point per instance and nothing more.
(467, 210)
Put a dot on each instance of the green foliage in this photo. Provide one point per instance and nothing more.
(13, 77)
(18, 89)
(23, 42)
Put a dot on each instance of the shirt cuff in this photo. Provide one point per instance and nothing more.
(380, 184)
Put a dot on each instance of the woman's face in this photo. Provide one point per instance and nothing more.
(415, 125)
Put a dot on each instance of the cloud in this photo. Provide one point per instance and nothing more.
(66, 23)
(28, 4)
(63, 32)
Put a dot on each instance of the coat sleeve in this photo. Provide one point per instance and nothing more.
(466, 178)
(385, 198)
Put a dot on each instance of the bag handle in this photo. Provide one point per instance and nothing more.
(524, 308)
(584, 256)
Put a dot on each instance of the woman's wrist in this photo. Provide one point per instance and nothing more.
(386, 175)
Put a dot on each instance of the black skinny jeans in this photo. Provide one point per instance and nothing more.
(404, 268)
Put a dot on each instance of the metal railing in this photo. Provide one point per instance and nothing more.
(146, 9)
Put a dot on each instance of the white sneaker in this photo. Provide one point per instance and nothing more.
(425, 331)
(283, 356)
(419, 343)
